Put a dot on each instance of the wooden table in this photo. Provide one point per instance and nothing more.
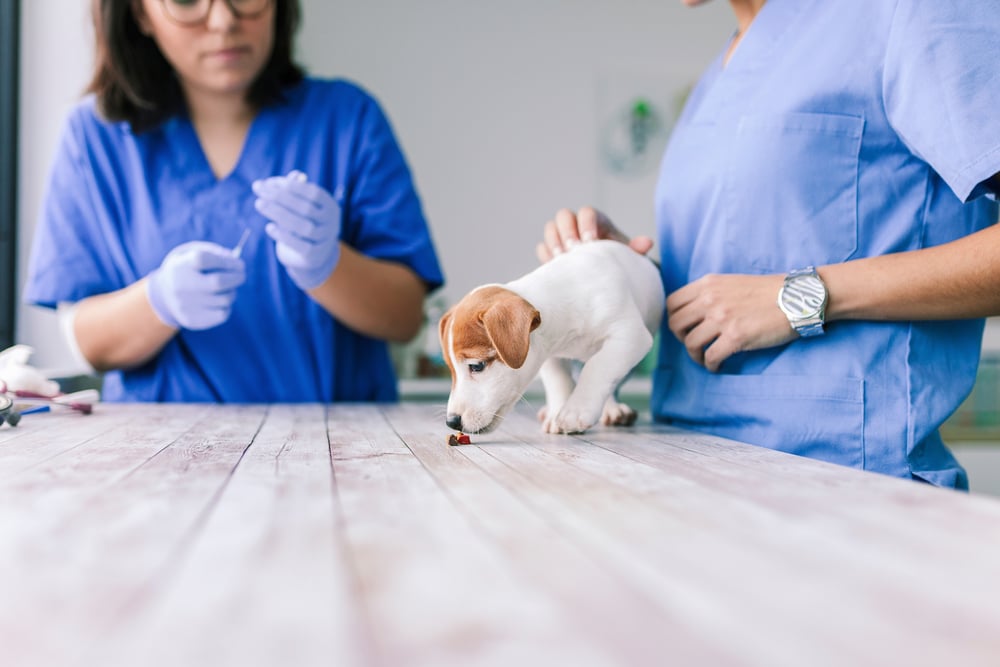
(304, 535)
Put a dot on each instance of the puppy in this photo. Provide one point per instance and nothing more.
(600, 303)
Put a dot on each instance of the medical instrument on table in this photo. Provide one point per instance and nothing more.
(80, 401)
(238, 248)
(31, 401)
(8, 411)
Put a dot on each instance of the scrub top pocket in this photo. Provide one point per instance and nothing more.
(791, 191)
(806, 415)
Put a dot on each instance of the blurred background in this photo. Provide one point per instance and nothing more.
(505, 111)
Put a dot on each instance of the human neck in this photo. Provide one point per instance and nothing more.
(208, 109)
(746, 11)
(222, 123)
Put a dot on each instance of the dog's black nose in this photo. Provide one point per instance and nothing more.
(454, 421)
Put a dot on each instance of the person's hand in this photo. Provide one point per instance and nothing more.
(195, 286)
(587, 224)
(305, 225)
(717, 316)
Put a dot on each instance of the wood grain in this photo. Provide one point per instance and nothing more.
(353, 535)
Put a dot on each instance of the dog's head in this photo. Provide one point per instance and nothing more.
(486, 340)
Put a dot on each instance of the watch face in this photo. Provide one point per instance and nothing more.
(803, 296)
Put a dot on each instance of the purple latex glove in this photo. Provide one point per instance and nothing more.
(195, 286)
(305, 225)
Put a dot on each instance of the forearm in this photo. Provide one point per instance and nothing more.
(374, 297)
(119, 329)
(956, 280)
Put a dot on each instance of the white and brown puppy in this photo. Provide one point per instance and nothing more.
(600, 303)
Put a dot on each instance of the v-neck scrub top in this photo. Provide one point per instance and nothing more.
(118, 202)
(837, 130)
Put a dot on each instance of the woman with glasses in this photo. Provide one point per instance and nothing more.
(219, 227)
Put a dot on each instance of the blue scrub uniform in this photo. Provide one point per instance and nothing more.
(838, 130)
(118, 202)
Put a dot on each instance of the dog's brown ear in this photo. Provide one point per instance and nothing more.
(443, 327)
(509, 322)
(443, 333)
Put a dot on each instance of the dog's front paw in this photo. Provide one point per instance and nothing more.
(618, 414)
(570, 420)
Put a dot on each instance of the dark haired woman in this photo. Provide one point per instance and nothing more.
(218, 227)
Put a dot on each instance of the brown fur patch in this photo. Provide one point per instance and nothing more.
(489, 322)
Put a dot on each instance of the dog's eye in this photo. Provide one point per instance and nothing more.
(477, 367)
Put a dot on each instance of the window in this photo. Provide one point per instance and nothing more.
(9, 52)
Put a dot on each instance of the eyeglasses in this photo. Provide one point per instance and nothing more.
(193, 12)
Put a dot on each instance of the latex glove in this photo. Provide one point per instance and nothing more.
(305, 225)
(195, 286)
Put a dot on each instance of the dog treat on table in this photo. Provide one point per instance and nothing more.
(460, 439)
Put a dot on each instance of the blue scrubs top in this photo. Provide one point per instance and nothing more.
(118, 202)
(838, 130)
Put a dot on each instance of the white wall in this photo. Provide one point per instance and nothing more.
(501, 106)
(56, 46)
(500, 109)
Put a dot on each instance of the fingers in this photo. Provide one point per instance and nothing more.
(225, 281)
(221, 302)
(298, 245)
(195, 286)
(215, 259)
(295, 194)
(689, 326)
(560, 233)
(718, 316)
(567, 228)
(290, 221)
(303, 215)
(219, 269)
(552, 238)
(586, 224)
(543, 253)
(641, 244)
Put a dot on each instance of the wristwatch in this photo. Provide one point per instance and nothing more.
(803, 301)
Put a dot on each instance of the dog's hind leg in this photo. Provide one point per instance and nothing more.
(617, 414)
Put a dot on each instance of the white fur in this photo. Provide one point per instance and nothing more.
(600, 303)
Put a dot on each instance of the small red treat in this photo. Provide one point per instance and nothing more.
(460, 439)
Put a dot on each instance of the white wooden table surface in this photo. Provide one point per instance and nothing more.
(354, 535)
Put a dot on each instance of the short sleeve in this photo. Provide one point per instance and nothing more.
(386, 219)
(70, 257)
(941, 87)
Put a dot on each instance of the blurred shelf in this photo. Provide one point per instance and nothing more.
(437, 389)
(978, 435)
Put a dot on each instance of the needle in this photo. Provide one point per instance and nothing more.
(238, 250)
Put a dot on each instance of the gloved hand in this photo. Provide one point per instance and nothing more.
(195, 286)
(305, 225)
